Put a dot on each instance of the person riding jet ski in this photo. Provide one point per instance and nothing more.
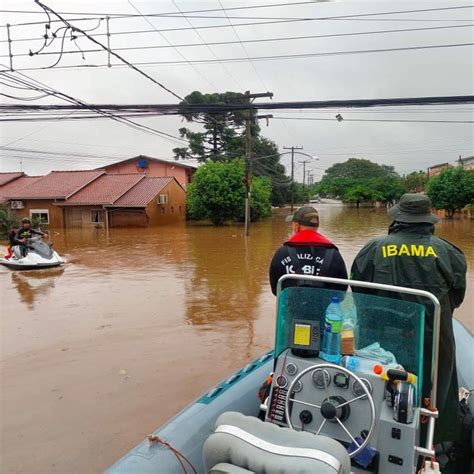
(24, 233)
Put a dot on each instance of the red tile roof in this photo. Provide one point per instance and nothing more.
(57, 185)
(17, 186)
(143, 193)
(104, 190)
(180, 163)
(10, 176)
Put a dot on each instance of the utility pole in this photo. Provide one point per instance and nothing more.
(304, 170)
(292, 148)
(248, 154)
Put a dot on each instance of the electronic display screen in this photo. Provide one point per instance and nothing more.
(302, 334)
(305, 335)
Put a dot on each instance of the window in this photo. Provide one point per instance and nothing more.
(97, 217)
(163, 199)
(39, 216)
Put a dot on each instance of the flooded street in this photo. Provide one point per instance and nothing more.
(96, 355)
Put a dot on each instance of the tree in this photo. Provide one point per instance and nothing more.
(356, 168)
(222, 138)
(415, 182)
(7, 220)
(358, 180)
(451, 190)
(217, 193)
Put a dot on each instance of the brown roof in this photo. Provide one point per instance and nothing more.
(57, 185)
(104, 190)
(143, 193)
(10, 176)
(17, 186)
(181, 163)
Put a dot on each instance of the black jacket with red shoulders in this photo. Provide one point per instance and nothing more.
(307, 253)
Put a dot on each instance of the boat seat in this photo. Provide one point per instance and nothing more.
(251, 445)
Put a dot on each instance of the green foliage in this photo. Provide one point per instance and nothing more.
(260, 198)
(359, 180)
(415, 182)
(218, 193)
(355, 168)
(222, 138)
(7, 220)
(451, 190)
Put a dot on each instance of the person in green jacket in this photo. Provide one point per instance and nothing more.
(412, 256)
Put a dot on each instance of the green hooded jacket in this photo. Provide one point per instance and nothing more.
(411, 256)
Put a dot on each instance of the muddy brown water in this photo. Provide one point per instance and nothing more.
(138, 323)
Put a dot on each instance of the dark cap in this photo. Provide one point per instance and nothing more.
(305, 215)
(413, 208)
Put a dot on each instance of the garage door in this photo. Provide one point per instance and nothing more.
(128, 218)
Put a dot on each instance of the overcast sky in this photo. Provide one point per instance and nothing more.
(407, 146)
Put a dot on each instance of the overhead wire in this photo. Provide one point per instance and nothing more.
(259, 58)
(372, 120)
(350, 16)
(172, 46)
(70, 99)
(204, 43)
(249, 41)
(110, 51)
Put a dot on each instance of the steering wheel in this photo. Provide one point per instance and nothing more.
(332, 409)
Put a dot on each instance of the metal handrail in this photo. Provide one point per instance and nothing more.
(396, 289)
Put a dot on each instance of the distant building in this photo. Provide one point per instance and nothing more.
(467, 163)
(183, 171)
(126, 200)
(436, 169)
(94, 198)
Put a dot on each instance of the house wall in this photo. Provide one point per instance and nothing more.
(173, 211)
(130, 217)
(155, 169)
(56, 216)
(80, 216)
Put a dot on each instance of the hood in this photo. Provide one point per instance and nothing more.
(415, 228)
(309, 237)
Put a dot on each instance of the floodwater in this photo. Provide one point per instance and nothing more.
(96, 355)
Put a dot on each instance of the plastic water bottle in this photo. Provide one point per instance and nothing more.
(361, 364)
(349, 327)
(332, 332)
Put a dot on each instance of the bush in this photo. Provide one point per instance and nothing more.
(451, 190)
(218, 193)
(7, 220)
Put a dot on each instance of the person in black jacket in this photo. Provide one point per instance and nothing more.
(24, 233)
(307, 252)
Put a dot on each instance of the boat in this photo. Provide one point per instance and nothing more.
(38, 255)
(319, 416)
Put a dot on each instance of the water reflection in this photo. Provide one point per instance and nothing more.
(32, 286)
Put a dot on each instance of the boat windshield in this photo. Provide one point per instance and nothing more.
(396, 325)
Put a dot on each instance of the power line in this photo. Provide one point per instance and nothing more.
(263, 58)
(110, 51)
(248, 41)
(79, 103)
(185, 108)
(171, 46)
(351, 16)
(373, 120)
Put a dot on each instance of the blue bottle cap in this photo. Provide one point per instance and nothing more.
(335, 299)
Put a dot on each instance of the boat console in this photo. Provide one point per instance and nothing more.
(376, 415)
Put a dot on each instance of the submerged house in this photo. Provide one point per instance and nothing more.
(183, 171)
(95, 198)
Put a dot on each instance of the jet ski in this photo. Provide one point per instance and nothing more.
(319, 416)
(37, 255)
